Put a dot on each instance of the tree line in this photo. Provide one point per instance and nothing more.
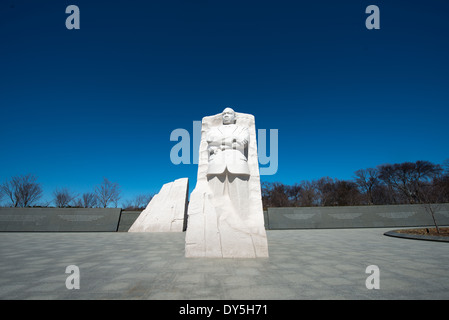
(25, 191)
(417, 182)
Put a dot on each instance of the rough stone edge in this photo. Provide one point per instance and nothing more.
(138, 224)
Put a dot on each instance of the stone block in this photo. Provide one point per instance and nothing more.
(167, 211)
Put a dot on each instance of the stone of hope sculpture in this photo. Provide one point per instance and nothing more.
(225, 214)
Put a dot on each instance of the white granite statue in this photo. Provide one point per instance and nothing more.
(225, 215)
(166, 211)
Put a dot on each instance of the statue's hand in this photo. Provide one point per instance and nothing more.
(213, 150)
(238, 143)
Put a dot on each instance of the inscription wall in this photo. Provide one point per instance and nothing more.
(60, 219)
(355, 217)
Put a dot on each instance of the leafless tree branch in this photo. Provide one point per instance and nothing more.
(64, 197)
(22, 191)
(107, 193)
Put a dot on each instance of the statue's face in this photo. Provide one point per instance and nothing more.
(228, 116)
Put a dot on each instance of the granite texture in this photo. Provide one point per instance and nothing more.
(230, 223)
(167, 211)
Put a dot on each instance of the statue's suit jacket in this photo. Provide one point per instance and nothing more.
(229, 144)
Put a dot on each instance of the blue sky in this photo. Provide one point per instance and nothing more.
(101, 101)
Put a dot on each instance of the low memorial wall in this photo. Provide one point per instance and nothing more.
(355, 217)
(127, 219)
(113, 220)
(59, 219)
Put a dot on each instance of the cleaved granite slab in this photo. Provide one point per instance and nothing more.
(167, 211)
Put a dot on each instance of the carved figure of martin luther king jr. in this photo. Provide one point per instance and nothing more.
(225, 213)
(227, 146)
(228, 170)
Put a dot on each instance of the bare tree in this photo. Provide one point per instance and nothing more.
(384, 195)
(398, 183)
(275, 194)
(334, 192)
(279, 195)
(408, 177)
(22, 191)
(367, 180)
(308, 195)
(432, 208)
(107, 193)
(446, 167)
(128, 205)
(265, 190)
(87, 200)
(347, 193)
(142, 200)
(425, 172)
(325, 188)
(441, 184)
(293, 194)
(386, 175)
(431, 195)
(139, 202)
(64, 197)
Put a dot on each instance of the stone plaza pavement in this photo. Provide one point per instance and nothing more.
(303, 264)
